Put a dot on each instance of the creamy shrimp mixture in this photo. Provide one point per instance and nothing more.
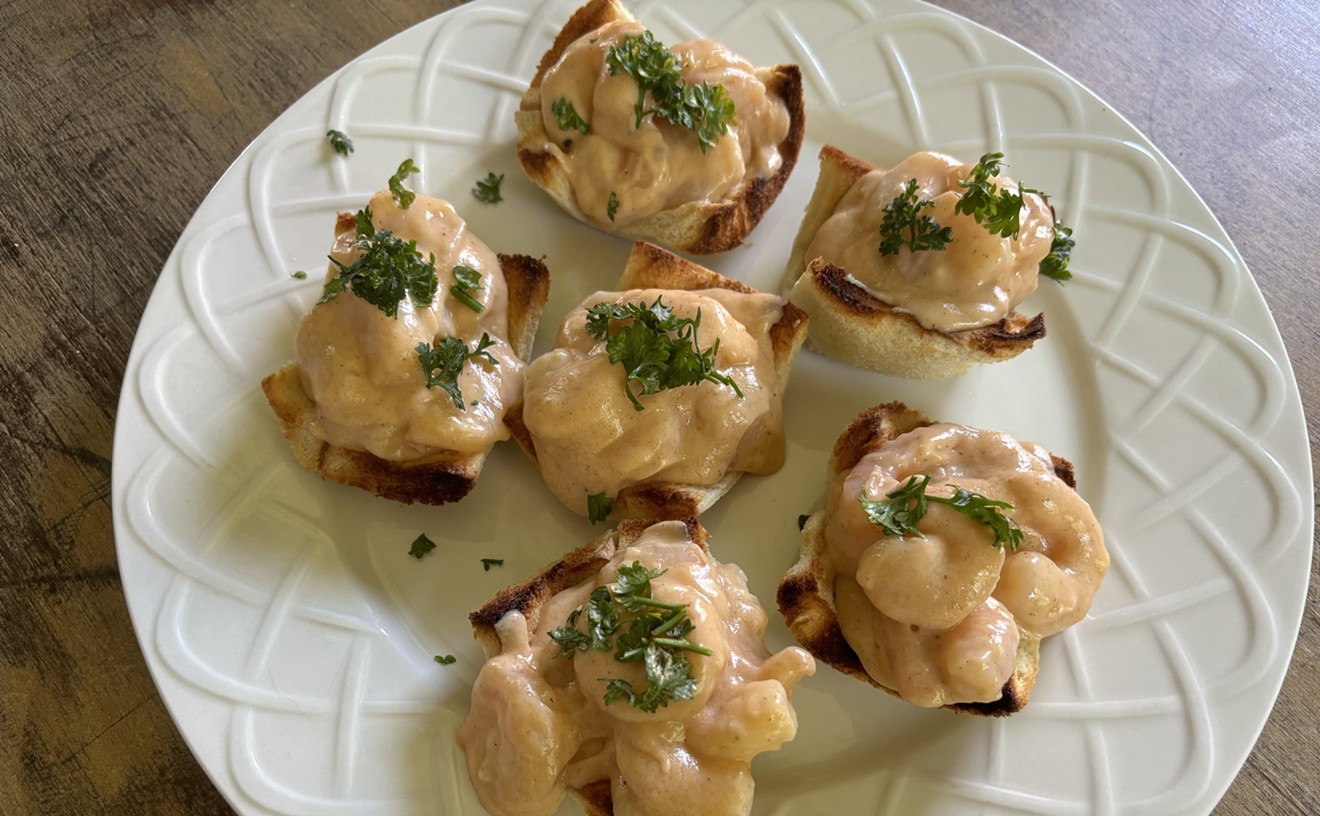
(539, 723)
(976, 280)
(937, 618)
(588, 436)
(655, 166)
(361, 368)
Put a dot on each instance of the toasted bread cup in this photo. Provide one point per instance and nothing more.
(437, 478)
(806, 592)
(651, 267)
(698, 227)
(736, 694)
(853, 325)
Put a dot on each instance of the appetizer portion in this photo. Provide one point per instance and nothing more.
(686, 145)
(917, 271)
(658, 396)
(945, 553)
(632, 674)
(408, 363)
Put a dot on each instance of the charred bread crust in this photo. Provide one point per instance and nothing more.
(852, 325)
(698, 228)
(652, 267)
(805, 595)
(439, 478)
(529, 596)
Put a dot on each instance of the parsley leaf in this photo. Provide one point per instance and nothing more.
(612, 206)
(907, 504)
(904, 225)
(487, 563)
(445, 660)
(706, 110)
(487, 190)
(599, 506)
(998, 210)
(421, 546)
(387, 270)
(441, 365)
(402, 195)
(626, 617)
(299, 275)
(340, 142)
(1055, 264)
(466, 281)
(657, 350)
(566, 116)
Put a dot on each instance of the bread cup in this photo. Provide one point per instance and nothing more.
(743, 692)
(650, 267)
(806, 594)
(699, 226)
(440, 476)
(853, 325)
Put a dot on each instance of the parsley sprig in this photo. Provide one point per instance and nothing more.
(626, 617)
(487, 190)
(566, 116)
(466, 281)
(904, 225)
(402, 195)
(442, 364)
(705, 109)
(657, 349)
(906, 505)
(1055, 264)
(387, 270)
(997, 209)
(599, 506)
(339, 141)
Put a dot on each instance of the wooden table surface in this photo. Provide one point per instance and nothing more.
(119, 115)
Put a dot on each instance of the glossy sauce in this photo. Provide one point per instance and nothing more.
(657, 166)
(936, 618)
(360, 366)
(539, 724)
(975, 281)
(589, 438)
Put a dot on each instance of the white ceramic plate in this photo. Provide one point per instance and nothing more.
(292, 635)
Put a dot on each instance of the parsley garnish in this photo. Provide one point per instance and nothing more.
(340, 142)
(998, 210)
(599, 506)
(1055, 264)
(466, 280)
(445, 660)
(612, 206)
(402, 195)
(624, 616)
(657, 349)
(906, 505)
(442, 364)
(904, 224)
(487, 563)
(566, 116)
(421, 546)
(487, 190)
(704, 109)
(388, 270)
(299, 275)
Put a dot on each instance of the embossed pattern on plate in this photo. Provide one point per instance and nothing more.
(292, 636)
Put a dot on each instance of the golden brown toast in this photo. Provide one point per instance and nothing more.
(651, 267)
(806, 592)
(700, 228)
(439, 478)
(852, 325)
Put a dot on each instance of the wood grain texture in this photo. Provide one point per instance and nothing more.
(121, 114)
